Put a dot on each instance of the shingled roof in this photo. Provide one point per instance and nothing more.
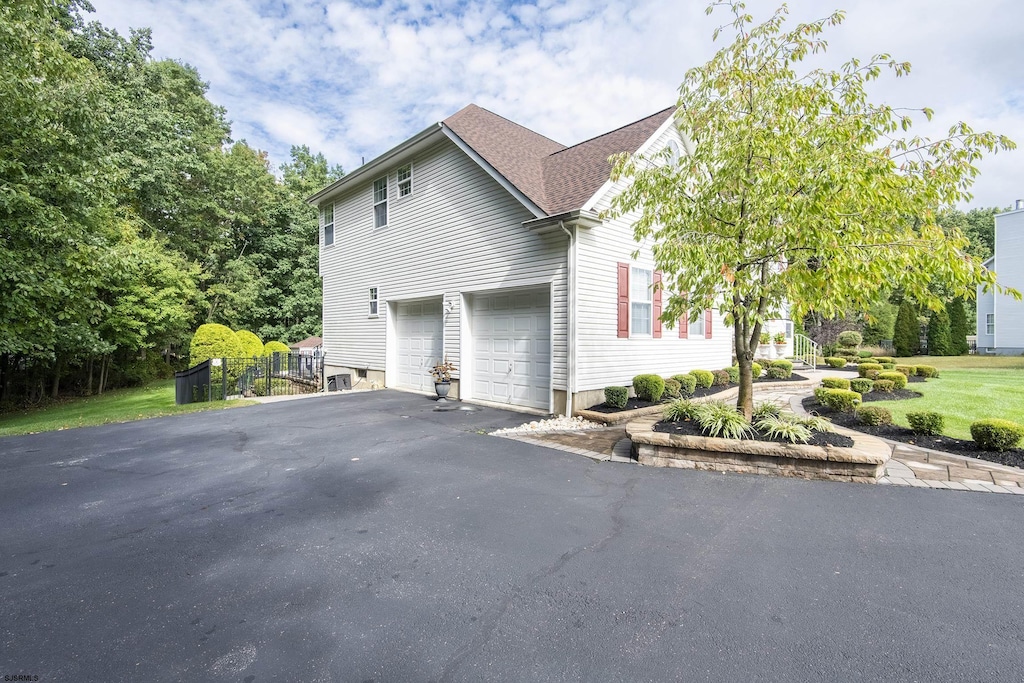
(554, 177)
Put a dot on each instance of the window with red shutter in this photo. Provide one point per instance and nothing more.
(623, 300)
(707, 324)
(657, 305)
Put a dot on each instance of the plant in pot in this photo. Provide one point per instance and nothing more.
(442, 373)
(780, 343)
(765, 346)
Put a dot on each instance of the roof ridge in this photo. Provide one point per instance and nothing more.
(503, 118)
(615, 130)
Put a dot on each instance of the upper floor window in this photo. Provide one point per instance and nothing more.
(673, 152)
(373, 302)
(990, 323)
(327, 218)
(380, 202)
(405, 180)
(640, 301)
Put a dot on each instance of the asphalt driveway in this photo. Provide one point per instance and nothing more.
(368, 537)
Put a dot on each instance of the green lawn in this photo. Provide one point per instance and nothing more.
(121, 405)
(970, 388)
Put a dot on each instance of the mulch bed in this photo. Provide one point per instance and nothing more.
(691, 428)
(946, 444)
(699, 392)
(894, 395)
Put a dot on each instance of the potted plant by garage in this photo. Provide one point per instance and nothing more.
(780, 343)
(442, 373)
(764, 348)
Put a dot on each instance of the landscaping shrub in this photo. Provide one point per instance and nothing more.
(252, 346)
(886, 386)
(214, 341)
(847, 353)
(865, 353)
(906, 338)
(843, 400)
(734, 374)
(649, 387)
(616, 397)
(721, 378)
(272, 347)
(867, 361)
(907, 370)
(766, 409)
(926, 371)
(835, 383)
(925, 422)
(681, 409)
(884, 359)
(672, 388)
(850, 339)
(888, 366)
(778, 427)
(938, 334)
(705, 378)
(958, 329)
(898, 379)
(864, 368)
(719, 419)
(861, 385)
(873, 416)
(776, 373)
(782, 363)
(835, 362)
(756, 370)
(996, 435)
(687, 384)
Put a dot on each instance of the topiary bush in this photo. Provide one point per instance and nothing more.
(252, 346)
(925, 371)
(842, 400)
(734, 374)
(850, 339)
(776, 373)
(721, 378)
(616, 397)
(861, 385)
(687, 384)
(756, 370)
(672, 388)
(885, 386)
(649, 387)
(214, 341)
(705, 378)
(272, 347)
(864, 353)
(835, 383)
(925, 422)
(873, 416)
(835, 362)
(996, 435)
(898, 379)
(864, 368)
(888, 366)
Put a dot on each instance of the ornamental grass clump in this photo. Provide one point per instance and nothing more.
(766, 409)
(996, 435)
(616, 397)
(720, 420)
(873, 416)
(649, 387)
(779, 427)
(835, 383)
(925, 422)
(681, 409)
(687, 384)
(705, 378)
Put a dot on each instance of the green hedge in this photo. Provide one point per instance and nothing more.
(252, 346)
(996, 435)
(835, 383)
(926, 371)
(864, 368)
(925, 422)
(842, 400)
(897, 378)
(687, 384)
(835, 362)
(886, 386)
(861, 385)
(272, 347)
(705, 378)
(214, 341)
(649, 387)
(873, 416)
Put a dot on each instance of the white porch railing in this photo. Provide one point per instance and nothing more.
(806, 350)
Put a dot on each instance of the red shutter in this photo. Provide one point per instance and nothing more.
(623, 300)
(684, 324)
(707, 324)
(656, 305)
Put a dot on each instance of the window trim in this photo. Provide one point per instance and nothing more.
(326, 225)
(692, 329)
(383, 202)
(373, 303)
(633, 274)
(399, 181)
(990, 324)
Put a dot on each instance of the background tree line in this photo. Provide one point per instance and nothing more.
(128, 215)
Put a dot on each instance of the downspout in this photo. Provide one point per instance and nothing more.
(570, 336)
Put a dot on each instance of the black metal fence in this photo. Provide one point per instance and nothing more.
(277, 375)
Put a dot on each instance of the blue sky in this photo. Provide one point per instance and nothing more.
(352, 79)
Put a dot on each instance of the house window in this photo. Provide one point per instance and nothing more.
(640, 301)
(327, 218)
(380, 202)
(373, 302)
(697, 327)
(405, 180)
(990, 323)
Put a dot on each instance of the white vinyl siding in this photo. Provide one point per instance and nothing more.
(459, 233)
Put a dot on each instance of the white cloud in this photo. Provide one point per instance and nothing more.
(352, 79)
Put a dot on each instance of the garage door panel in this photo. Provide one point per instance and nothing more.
(511, 360)
(420, 329)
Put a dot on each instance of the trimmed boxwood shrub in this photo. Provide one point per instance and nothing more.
(774, 372)
(705, 378)
(616, 397)
(885, 386)
(864, 354)
(926, 371)
(865, 361)
(873, 416)
(907, 370)
(721, 378)
(996, 435)
(888, 366)
(272, 347)
(252, 346)
(835, 362)
(756, 370)
(925, 422)
(649, 387)
(782, 363)
(850, 339)
(861, 385)
(897, 378)
(734, 374)
(884, 359)
(672, 388)
(835, 383)
(839, 399)
(214, 341)
(687, 384)
(864, 368)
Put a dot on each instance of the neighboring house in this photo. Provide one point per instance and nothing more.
(1000, 316)
(310, 346)
(481, 241)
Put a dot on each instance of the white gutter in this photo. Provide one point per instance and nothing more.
(570, 336)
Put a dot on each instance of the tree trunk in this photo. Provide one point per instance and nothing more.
(5, 376)
(55, 390)
(104, 363)
(88, 383)
(744, 343)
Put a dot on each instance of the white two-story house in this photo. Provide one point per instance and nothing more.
(1000, 316)
(481, 241)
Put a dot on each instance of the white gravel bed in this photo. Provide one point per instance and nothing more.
(555, 424)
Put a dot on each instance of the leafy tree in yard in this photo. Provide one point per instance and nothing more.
(797, 189)
(881, 320)
(958, 328)
(938, 333)
(906, 336)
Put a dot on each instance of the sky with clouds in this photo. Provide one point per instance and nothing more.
(352, 79)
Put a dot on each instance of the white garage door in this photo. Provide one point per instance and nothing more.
(420, 341)
(512, 348)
